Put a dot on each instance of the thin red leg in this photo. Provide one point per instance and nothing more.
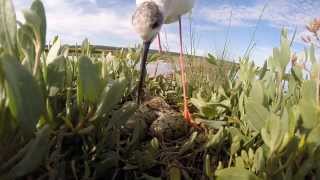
(159, 43)
(186, 113)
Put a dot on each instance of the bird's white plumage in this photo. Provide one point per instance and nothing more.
(172, 9)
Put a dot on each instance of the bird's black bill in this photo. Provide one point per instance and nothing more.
(143, 70)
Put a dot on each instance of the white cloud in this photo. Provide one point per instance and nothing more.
(110, 24)
(92, 1)
(292, 14)
(240, 16)
(278, 13)
(74, 20)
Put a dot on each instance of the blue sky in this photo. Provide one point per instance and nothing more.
(108, 22)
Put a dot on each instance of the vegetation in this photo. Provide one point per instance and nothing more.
(68, 116)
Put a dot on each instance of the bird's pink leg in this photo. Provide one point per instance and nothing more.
(159, 43)
(186, 112)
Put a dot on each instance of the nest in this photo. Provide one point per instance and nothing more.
(161, 119)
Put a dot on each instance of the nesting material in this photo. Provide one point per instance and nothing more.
(162, 120)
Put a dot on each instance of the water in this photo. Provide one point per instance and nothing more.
(162, 69)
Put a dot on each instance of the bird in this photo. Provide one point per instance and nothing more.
(147, 21)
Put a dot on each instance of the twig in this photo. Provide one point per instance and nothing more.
(318, 86)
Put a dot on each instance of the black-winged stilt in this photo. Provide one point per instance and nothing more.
(147, 20)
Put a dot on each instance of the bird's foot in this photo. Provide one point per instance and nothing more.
(188, 118)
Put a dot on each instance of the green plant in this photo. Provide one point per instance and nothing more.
(276, 111)
(64, 115)
(44, 94)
